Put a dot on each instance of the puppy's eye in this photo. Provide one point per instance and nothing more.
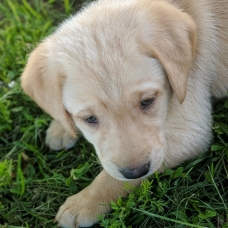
(146, 103)
(91, 120)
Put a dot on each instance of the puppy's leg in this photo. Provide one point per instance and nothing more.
(57, 138)
(82, 209)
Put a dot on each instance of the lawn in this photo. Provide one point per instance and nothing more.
(35, 181)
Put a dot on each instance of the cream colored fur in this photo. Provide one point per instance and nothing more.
(108, 58)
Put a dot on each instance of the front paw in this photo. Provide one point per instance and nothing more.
(57, 138)
(81, 210)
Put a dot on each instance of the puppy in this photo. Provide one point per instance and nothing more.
(136, 78)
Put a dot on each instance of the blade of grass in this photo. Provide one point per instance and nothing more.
(213, 181)
(12, 7)
(168, 219)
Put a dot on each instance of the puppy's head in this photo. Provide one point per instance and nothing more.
(111, 71)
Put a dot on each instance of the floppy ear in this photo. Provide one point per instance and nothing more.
(172, 40)
(42, 80)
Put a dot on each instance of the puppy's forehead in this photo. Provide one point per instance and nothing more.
(101, 34)
(96, 87)
(100, 54)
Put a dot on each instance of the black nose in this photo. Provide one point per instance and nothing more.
(134, 173)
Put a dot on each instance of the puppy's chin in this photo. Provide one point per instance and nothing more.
(112, 170)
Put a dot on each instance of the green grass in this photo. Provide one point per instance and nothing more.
(34, 181)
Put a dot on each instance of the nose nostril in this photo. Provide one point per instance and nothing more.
(134, 173)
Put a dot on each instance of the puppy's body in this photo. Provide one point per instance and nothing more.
(208, 77)
(105, 63)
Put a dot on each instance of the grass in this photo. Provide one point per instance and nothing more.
(34, 181)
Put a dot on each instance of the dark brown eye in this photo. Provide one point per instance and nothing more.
(146, 103)
(91, 120)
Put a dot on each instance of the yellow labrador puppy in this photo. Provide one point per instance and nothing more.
(136, 78)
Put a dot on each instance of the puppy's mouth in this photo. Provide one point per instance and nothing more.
(129, 173)
(136, 171)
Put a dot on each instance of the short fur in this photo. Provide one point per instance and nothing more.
(108, 58)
